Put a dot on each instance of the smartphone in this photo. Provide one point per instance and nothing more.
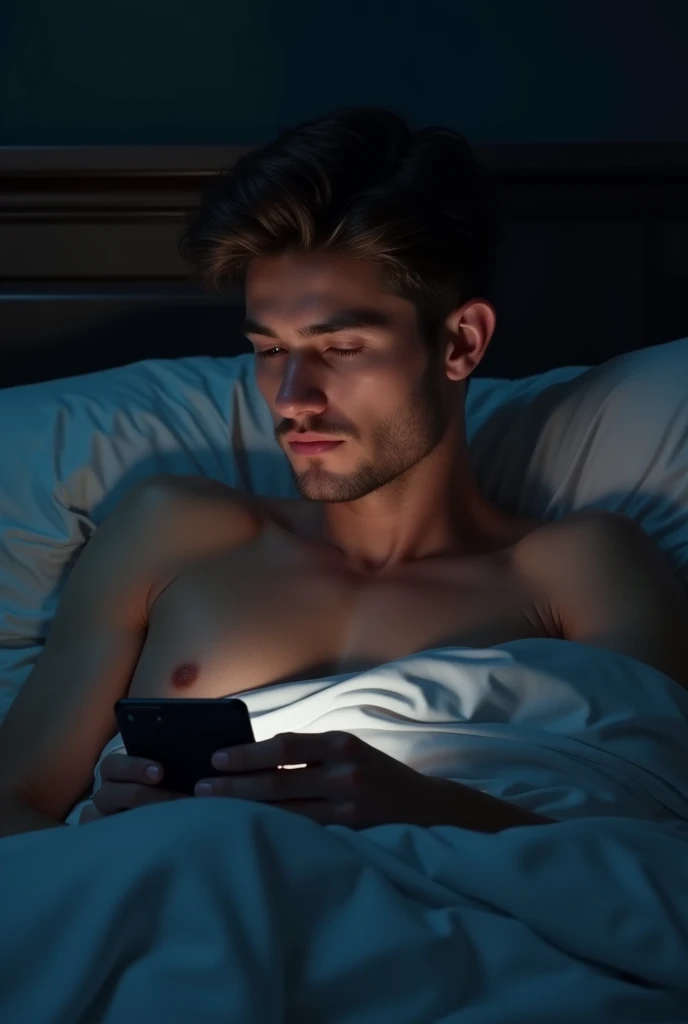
(182, 735)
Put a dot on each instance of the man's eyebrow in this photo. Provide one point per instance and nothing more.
(345, 320)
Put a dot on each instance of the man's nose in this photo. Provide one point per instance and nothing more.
(300, 391)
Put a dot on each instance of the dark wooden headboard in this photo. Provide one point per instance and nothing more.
(595, 260)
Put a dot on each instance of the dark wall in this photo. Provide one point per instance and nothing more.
(595, 260)
(596, 257)
(79, 72)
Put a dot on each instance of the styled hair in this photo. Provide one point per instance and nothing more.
(359, 182)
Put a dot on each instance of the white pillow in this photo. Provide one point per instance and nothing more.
(611, 437)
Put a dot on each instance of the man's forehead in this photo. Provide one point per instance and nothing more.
(304, 282)
(278, 304)
(320, 294)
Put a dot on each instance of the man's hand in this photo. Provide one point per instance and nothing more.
(333, 778)
(128, 782)
(340, 780)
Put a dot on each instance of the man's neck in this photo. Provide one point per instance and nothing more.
(435, 509)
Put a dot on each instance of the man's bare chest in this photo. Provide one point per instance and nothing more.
(266, 614)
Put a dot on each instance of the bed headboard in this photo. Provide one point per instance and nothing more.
(594, 263)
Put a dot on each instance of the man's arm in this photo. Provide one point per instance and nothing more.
(608, 585)
(63, 716)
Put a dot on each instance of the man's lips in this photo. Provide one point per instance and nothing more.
(313, 447)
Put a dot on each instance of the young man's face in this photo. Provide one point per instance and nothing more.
(374, 388)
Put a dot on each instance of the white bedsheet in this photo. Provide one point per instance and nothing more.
(226, 910)
(561, 728)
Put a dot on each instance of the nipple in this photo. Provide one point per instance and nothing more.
(184, 675)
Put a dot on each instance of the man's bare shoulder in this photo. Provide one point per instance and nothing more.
(590, 530)
(167, 494)
(167, 516)
(605, 582)
(235, 513)
(587, 548)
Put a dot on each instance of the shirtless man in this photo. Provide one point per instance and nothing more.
(190, 588)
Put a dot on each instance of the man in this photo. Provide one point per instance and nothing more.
(365, 251)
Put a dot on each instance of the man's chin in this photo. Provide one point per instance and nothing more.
(316, 488)
(318, 485)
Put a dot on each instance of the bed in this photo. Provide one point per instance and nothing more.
(229, 910)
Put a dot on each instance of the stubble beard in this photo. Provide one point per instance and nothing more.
(399, 443)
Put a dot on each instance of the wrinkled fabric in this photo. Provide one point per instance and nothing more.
(220, 909)
(561, 728)
(227, 910)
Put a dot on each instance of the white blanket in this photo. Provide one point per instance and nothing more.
(558, 727)
(226, 910)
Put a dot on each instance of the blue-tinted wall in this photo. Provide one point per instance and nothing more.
(219, 71)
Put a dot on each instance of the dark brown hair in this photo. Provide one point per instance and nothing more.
(359, 182)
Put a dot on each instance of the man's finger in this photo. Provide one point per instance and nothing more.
(288, 748)
(120, 767)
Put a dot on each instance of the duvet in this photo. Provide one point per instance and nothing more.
(228, 910)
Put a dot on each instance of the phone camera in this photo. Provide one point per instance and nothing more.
(144, 717)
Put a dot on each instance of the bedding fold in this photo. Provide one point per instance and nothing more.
(223, 909)
(561, 728)
(210, 910)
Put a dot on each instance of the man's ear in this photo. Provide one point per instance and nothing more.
(466, 335)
